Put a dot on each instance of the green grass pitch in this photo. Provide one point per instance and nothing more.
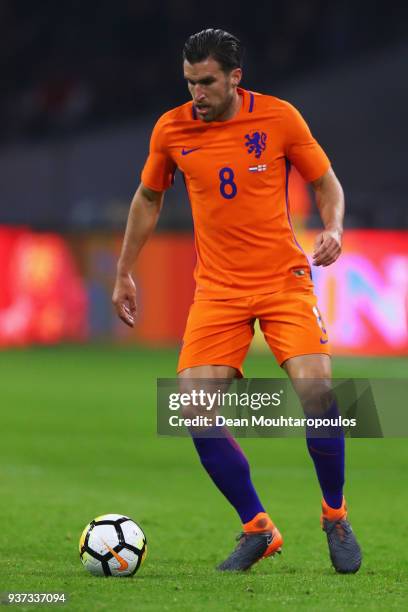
(78, 440)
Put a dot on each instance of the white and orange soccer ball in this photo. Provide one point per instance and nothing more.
(112, 545)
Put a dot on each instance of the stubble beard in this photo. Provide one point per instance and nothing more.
(220, 110)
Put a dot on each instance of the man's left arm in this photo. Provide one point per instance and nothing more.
(330, 202)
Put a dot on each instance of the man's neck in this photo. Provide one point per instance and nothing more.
(233, 109)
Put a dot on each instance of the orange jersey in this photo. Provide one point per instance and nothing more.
(236, 174)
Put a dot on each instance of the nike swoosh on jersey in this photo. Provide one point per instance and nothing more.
(187, 151)
(323, 341)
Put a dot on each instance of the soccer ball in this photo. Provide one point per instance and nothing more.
(112, 545)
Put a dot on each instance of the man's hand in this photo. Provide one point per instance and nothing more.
(143, 214)
(330, 202)
(327, 248)
(124, 298)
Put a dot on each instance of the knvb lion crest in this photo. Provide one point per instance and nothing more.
(255, 142)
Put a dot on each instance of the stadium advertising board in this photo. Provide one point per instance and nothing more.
(363, 296)
(42, 296)
(45, 299)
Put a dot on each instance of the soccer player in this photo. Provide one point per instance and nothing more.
(234, 148)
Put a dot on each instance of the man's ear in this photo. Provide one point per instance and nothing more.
(236, 76)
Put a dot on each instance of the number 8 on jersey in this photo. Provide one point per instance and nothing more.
(228, 188)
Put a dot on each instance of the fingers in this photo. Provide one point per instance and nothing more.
(126, 308)
(319, 246)
(327, 253)
(326, 261)
(132, 308)
(318, 242)
(126, 315)
(124, 299)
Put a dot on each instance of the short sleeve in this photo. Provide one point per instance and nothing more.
(302, 150)
(159, 169)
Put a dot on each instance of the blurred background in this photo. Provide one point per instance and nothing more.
(82, 85)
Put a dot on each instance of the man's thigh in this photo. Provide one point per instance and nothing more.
(218, 333)
(292, 324)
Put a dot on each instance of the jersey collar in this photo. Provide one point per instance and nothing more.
(248, 104)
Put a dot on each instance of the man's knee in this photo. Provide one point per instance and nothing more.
(311, 379)
(201, 386)
(315, 395)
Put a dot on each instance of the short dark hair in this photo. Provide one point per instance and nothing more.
(222, 46)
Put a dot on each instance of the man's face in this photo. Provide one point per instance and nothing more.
(211, 88)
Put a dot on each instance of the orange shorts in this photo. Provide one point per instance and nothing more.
(219, 332)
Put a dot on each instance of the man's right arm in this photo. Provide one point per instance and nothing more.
(143, 215)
